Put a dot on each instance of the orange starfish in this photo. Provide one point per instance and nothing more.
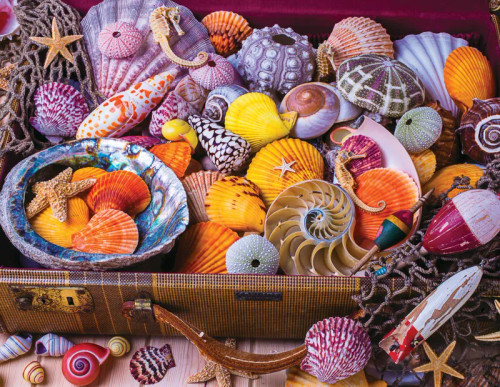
(56, 44)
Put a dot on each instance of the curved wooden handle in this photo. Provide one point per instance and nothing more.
(216, 351)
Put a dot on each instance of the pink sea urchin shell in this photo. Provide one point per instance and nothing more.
(172, 107)
(359, 144)
(336, 349)
(119, 40)
(216, 72)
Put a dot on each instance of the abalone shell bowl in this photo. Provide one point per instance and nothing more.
(164, 219)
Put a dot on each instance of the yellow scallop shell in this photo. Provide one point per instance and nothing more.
(284, 163)
(87, 173)
(425, 164)
(235, 202)
(59, 233)
(443, 179)
(255, 117)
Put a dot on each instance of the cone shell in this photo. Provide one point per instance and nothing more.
(226, 31)
(59, 233)
(467, 75)
(444, 178)
(118, 346)
(235, 202)
(108, 232)
(196, 186)
(254, 117)
(359, 144)
(447, 147)
(52, 345)
(425, 164)
(418, 129)
(176, 155)
(395, 188)
(336, 349)
(34, 373)
(252, 254)
(87, 173)
(203, 247)
(191, 92)
(119, 190)
(359, 35)
(150, 364)
(307, 165)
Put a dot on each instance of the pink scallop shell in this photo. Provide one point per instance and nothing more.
(119, 40)
(172, 107)
(360, 144)
(144, 141)
(216, 72)
(336, 349)
(9, 25)
(150, 364)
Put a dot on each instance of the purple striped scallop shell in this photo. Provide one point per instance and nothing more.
(59, 111)
(336, 349)
(119, 40)
(173, 106)
(216, 72)
(144, 141)
(359, 144)
(150, 364)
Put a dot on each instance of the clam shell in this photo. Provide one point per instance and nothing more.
(108, 232)
(235, 202)
(176, 155)
(59, 233)
(480, 130)
(426, 54)
(15, 346)
(467, 75)
(144, 141)
(354, 36)
(202, 248)
(52, 345)
(191, 92)
(418, 129)
(317, 106)
(447, 147)
(252, 254)
(226, 31)
(228, 152)
(196, 186)
(267, 171)
(218, 102)
(119, 40)
(119, 190)
(10, 26)
(443, 179)
(254, 117)
(150, 364)
(172, 107)
(336, 349)
(59, 111)
(425, 164)
(118, 346)
(391, 89)
(395, 188)
(33, 372)
(216, 72)
(87, 173)
(359, 144)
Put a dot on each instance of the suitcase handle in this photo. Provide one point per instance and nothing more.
(214, 350)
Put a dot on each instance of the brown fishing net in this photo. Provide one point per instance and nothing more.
(35, 18)
(384, 307)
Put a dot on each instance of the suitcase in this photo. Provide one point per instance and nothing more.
(38, 300)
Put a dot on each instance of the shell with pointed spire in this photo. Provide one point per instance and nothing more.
(418, 129)
(216, 72)
(218, 102)
(52, 345)
(15, 346)
(196, 186)
(252, 254)
(172, 107)
(362, 145)
(176, 155)
(255, 117)
(192, 93)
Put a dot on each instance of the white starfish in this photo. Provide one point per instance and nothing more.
(285, 167)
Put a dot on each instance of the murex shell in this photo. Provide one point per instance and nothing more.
(196, 186)
(114, 75)
(252, 254)
(119, 40)
(59, 111)
(336, 349)
(317, 106)
(480, 130)
(216, 72)
(362, 145)
(218, 102)
(150, 364)
(226, 150)
(33, 372)
(172, 107)
(380, 84)
(52, 345)
(275, 59)
(418, 129)
(359, 35)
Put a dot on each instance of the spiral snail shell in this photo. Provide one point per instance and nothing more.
(16, 345)
(33, 372)
(81, 364)
(218, 102)
(52, 345)
(118, 346)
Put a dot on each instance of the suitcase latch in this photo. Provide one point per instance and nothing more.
(139, 310)
(52, 299)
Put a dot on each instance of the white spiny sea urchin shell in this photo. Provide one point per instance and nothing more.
(252, 254)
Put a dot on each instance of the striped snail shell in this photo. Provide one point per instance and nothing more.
(81, 364)
(52, 345)
(16, 345)
(34, 373)
(118, 346)
(218, 102)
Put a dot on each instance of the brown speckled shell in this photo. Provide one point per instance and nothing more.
(447, 147)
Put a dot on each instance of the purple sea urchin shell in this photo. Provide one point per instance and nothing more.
(119, 40)
(359, 144)
(150, 364)
(216, 72)
(60, 109)
(172, 107)
(336, 349)
(144, 141)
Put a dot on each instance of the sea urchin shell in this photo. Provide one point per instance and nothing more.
(119, 40)
(252, 254)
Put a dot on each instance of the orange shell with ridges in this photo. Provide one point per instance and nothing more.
(87, 173)
(425, 164)
(119, 190)
(443, 179)
(176, 155)
(202, 248)
(108, 232)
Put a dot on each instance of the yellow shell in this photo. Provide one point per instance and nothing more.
(425, 164)
(59, 233)
(34, 373)
(87, 173)
(235, 202)
(118, 346)
(443, 179)
(468, 75)
(179, 130)
(255, 117)
(295, 377)
(196, 186)
(282, 164)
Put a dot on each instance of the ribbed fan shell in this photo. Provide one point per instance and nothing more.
(443, 179)
(196, 186)
(176, 155)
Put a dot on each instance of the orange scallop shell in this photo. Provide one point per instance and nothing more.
(467, 75)
(444, 178)
(87, 173)
(176, 155)
(394, 187)
(119, 190)
(202, 248)
(108, 232)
